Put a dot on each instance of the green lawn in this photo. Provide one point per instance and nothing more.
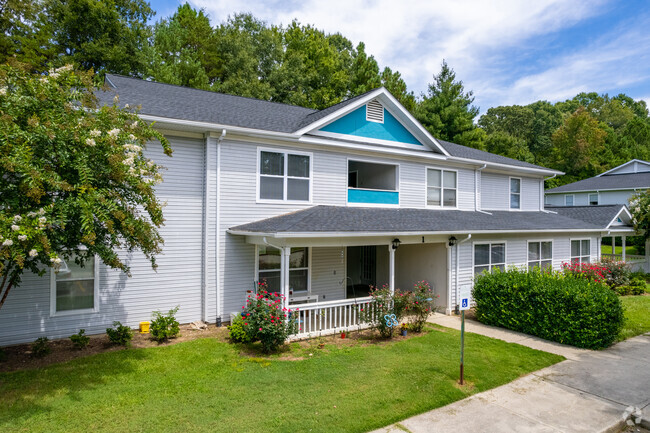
(206, 386)
(637, 316)
(629, 249)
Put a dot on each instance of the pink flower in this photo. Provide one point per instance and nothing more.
(260, 329)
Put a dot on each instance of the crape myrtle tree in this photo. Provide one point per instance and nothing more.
(74, 182)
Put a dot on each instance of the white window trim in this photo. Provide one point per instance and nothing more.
(95, 309)
(286, 176)
(540, 252)
(309, 266)
(571, 256)
(505, 254)
(597, 194)
(442, 188)
(510, 193)
(570, 195)
(373, 161)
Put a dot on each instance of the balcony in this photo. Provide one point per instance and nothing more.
(372, 183)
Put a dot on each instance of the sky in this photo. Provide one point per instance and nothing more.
(506, 51)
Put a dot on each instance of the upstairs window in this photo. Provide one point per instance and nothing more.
(488, 257)
(580, 251)
(568, 200)
(284, 176)
(74, 288)
(593, 199)
(442, 189)
(515, 193)
(540, 254)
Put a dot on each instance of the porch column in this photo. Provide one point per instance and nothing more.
(623, 247)
(285, 254)
(391, 268)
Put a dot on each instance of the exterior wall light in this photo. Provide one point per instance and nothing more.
(452, 241)
(396, 243)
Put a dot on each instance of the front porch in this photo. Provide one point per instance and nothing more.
(327, 285)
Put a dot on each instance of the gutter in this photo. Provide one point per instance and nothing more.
(218, 231)
(477, 193)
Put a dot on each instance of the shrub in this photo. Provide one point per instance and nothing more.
(41, 347)
(267, 321)
(588, 271)
(237, 331)
(121, 335)
(80, 340)
(375, 314)
(551, 305)
(616, 273)
(164, 327)
(422, 304)
(3, 355)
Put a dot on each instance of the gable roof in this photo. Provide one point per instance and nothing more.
(174, 102)
(339, 221)
(632, 161)
(603, 183)
(601, 215)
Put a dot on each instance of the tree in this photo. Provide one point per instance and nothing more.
(579, 147)
(16, 20)
(75, 180)
(640, 209)
(103, 35)
(446, 110)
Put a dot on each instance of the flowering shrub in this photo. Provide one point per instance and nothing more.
(267, 320)
(588, 271)
(384, 305)
(421, 306)
(617, 273)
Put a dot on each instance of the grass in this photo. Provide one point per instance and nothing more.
(629, 249)
(205, 385)
(637, 316)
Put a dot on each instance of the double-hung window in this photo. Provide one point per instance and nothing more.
(442, 187)
(74, 288)
(284, 176)
(540, 254)
(593, 199)
(568, 200)
(269, 268)
(580, 251)
(515, 193)
(489, 256)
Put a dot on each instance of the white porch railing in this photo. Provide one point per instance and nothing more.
(329, 317)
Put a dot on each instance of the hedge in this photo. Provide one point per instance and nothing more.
(550, 305)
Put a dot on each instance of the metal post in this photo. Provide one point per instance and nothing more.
(623, 247)
(462, 343)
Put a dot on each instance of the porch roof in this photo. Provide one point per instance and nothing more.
(342, 221)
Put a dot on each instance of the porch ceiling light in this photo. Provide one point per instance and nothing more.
(452, 241)
(396, 243)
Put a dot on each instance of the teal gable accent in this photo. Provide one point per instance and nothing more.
(356, 124)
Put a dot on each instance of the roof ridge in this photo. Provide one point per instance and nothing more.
(214, 92)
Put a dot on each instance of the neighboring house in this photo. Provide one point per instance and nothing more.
(319, 204)
(615, 186)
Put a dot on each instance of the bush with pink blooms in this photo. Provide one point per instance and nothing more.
(421, 305)
(267, 320)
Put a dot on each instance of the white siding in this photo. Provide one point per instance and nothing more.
(582, 198)
(328, 273)
(495, 192)
(26, 314)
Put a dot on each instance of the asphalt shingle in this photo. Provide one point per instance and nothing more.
(607, 182)
(600, 215)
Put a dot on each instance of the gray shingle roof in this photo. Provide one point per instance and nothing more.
(184, 103)
(348, 220)
(600, 215)
(602, 183)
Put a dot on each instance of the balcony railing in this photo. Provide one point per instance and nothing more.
(372, 196)
(331, 317)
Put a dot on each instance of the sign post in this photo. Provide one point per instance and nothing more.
(465, 293)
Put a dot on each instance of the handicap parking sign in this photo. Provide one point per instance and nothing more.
(465, 303)
(465, 294)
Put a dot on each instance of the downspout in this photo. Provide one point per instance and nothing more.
(477, 192)
(469, 236)
(217, 232)
(543, 196)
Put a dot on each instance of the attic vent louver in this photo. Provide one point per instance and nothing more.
(375, 112)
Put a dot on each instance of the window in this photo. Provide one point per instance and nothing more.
(568, 200)
(269, 268)
(593, 199)
(540, 254)
(74, 288)
(515, 193)
(580, 251)
(284, 176)
(441, 187)
(488, 257)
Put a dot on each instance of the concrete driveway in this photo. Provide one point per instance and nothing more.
(589, 392)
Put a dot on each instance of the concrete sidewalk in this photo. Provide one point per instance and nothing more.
(589, 392)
